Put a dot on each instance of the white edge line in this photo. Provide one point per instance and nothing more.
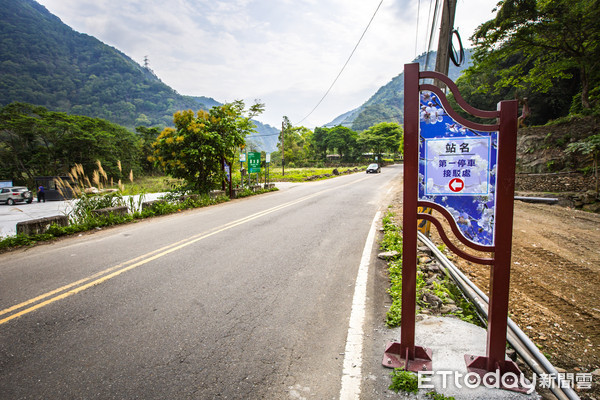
(352, 372)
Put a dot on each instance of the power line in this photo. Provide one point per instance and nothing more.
(417, 31)
(433, 24)
(271, 134)
(342, 70)
(428, 22)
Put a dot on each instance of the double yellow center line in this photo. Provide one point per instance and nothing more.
(75, 287)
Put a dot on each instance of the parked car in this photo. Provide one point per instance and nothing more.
(373, 168)
(12, 195)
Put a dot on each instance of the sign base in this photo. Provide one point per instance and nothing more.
(393, 358)
(508, 374)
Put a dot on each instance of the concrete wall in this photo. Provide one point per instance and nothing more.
(40, 225)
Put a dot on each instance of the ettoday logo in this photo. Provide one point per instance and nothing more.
(493, 380)
(472, 380)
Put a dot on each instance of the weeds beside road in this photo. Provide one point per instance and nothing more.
(82, 218)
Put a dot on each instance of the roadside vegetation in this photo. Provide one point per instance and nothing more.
(436, 293)
(89, 209)
(310, 174)
(83, 218)
(407, 381)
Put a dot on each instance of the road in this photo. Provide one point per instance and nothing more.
(244, 300)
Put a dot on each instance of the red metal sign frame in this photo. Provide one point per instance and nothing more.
(414, 357)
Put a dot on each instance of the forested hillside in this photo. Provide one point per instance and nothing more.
(387, 104)
(46, 63)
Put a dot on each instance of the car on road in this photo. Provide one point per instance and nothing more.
(373, 168)
(15, 194)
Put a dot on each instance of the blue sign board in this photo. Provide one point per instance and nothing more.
(457, 170)
(227, 170)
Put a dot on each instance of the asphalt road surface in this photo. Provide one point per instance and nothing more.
(245, 300)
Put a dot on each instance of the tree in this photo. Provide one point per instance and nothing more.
(296, 144)
(342, 140)
(35, 141)
(319, 142)
(385, 136)
(195, 149)
(539, 43)
(147, 137)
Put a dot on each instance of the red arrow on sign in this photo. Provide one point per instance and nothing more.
(456, 185)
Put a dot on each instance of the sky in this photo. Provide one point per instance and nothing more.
(284, 53)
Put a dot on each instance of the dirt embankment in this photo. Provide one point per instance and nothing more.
(544, 168)
(541, 149)
(555, 284)
(574, 190)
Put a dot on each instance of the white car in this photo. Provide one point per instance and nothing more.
(12, 195)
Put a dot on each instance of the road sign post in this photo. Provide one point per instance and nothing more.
(253, 164)
(242, 161)
(465, 171)
(267, 165)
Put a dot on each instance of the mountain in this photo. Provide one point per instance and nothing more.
(266, 137)
(45, 62)
(206, 103)
(346, 117)
(387, 104)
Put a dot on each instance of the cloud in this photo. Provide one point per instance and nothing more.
(285, 52)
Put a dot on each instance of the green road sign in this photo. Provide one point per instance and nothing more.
(253, 162)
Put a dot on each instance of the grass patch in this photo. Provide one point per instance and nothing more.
(249, 192)
(393, 317)
(404, 380)
(302, 174)
(23, 240)
(392, 241)
(408, 382)
(150, 184)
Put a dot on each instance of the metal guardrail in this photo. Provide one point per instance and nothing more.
(526, 349)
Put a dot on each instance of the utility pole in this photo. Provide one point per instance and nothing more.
(282, 150)
(442, 60)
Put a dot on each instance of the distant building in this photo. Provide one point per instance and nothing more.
(51, 187)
